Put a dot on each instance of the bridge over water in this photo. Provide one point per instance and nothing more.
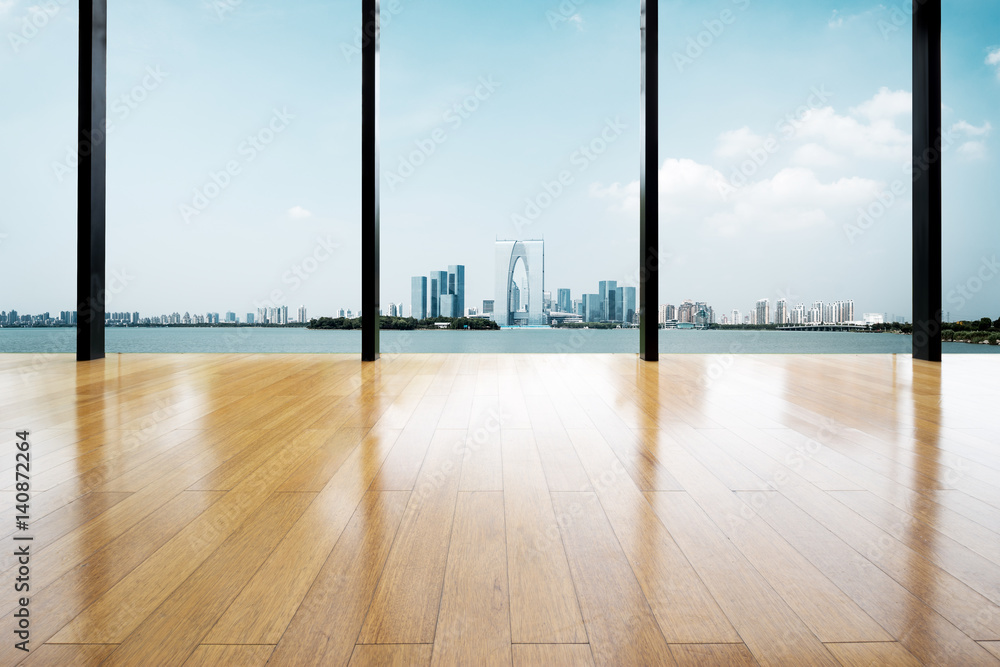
(859, 328)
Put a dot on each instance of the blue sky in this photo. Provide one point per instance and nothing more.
(233, 164)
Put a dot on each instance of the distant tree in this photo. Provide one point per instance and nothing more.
(473, 323)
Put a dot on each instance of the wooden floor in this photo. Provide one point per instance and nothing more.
(505, 509)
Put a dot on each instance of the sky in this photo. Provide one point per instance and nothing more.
(234, 156)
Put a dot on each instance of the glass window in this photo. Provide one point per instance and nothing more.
(508, 130)
(233, 175)
(38, 122)
(970, 73)
(785, 201)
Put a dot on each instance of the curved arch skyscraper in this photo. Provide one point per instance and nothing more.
(532, 256)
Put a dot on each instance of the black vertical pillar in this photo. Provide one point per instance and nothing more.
(927, 180)
(369, 182)
(649, 218)
(90, 196)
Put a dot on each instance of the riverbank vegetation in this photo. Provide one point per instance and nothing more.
(404, 323)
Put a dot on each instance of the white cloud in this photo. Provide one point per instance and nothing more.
(994, 59)
(814, 155)
(6, 6)
(878, 138)
(975, 148)
(736, 143)
(299, 213)
(886, 105)
(970, 130)
(793, 199)
(838, 20)
(577, 20)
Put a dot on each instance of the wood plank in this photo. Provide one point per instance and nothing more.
(473, 626)
(182, 621)
(50, 528)
(992, 647)
(873, 510)
(316, 471)
(684, 608)
(543, 603)
(229, 656)
(563, 470)
(708, 655)
(481, 464)
(327, 623)
(264, 608)
(391, 655)
(620, 624)
(78, 655)
(911, 622)
(771, 629)
(825, 609)
(552, 655)
(873, 653)
(119, 611)
(57, 604)
(975, 571)
(405, 607)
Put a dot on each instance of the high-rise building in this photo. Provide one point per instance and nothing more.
(737, 317)
(531, 256)
(433, 297)
(231, 317)
(515, 298)
(564, 300)
(763, 312)
(781, 312)
(250, 318)
(456, 286)
(628, 305)
(593, 308)
(487, 306)
(662, 314)
(686, 312)
(302, 315)
(449, 306)
(607, 290)
(818, 307)
(437, 291)
(418, 297)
